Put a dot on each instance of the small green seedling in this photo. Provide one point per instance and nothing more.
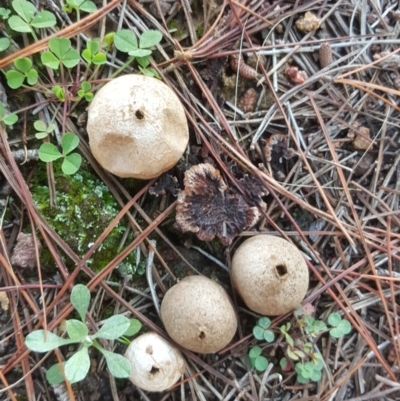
(80, 5)
(60, 52)
(76, 368)
(126, 41)
(310, 370)
(340, 326)
(313, 326)
(284, 329)
(42, 129)
(4, 44)
(4, 13)
(299, 353)
(108, 40)
(10, 119)
(261, 331)
(257, 361)
(92, 54)
(85, 91)
(28, 18)
(72, 161)
(59, 91)
(23, 70)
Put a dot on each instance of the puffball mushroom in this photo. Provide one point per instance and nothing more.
(270, 274)
(155, 364)
(198, 315)
(137, 127)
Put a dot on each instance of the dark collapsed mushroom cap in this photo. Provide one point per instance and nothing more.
(165, 184)
(209, 208)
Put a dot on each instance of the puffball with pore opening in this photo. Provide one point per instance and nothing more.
(155, 364)
(137, 127)
(198, 315)
(270, 274)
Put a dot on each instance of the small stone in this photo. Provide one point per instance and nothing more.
(24, 254)
(297, 77)
(359, 141)
(310, 22)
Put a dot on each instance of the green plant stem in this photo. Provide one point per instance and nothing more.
(85, 74)
(34, 35)
(124, 340)
(36, 88)
(96, 68)
(120, 69)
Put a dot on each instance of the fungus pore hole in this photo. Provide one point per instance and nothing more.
(149, 350)
(139, 114)
(154, 370)
(281, 270)
(202, 335)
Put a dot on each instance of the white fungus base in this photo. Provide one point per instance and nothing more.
(155, 364)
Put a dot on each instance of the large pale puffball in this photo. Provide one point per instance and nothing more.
(155, 364)
(137, 127)
(270, 274)
(198, 315)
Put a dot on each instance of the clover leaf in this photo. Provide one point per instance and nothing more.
(29, 18)
(80, 5)
(92, 55)
(149, 39)
(72, 161)
(42, 129)
(85, 91)
(24, 70)
(10, 119)
(261, 331)
(60, 52)
(4, 44)
(340, 326)
(125, 41)
(257, 361)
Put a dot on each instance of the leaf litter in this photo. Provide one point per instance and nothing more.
(342, 195)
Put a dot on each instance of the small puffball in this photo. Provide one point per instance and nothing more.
(137, 127)
(198, 315)
(270, 274)
(155, 364)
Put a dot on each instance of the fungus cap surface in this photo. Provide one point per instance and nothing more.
(198, 315)
(270, 274)
(155, 364)
(137, 127)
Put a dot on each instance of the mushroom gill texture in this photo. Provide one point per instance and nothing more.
(155, 364)
(270, 275)
(137, 127)
(209, 208)
(198, 315)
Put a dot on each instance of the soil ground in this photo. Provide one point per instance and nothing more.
(295, 104)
